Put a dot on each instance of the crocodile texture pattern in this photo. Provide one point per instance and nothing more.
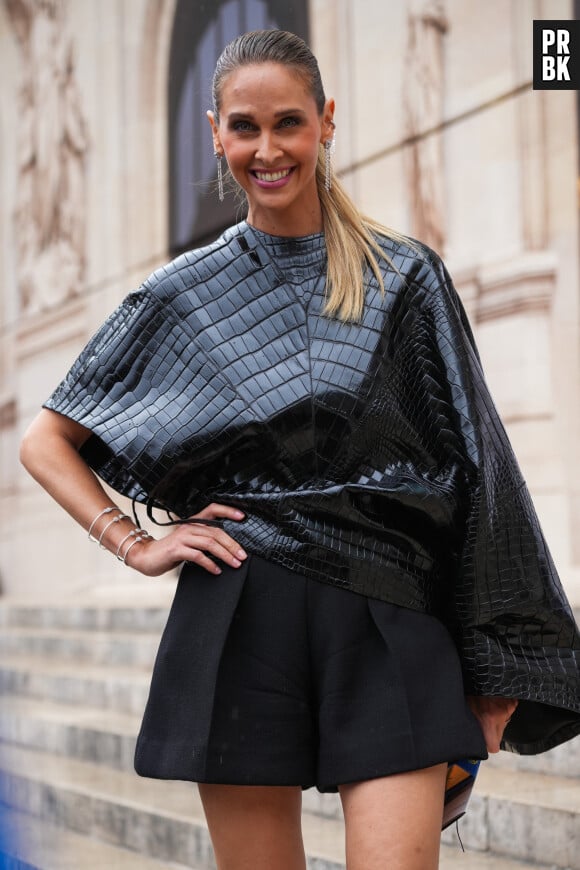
(367, 455)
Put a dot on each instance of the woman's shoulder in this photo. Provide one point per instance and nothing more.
(194, 267)
(423, 278)
(408, 253)
(412, 271)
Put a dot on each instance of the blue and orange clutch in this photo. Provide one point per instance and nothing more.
(458, 787)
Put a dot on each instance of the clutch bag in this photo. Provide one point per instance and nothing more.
(458, 787)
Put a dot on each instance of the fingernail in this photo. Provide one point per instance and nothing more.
(241, 554)
(236, 563)
(217, 570)
(239, 514)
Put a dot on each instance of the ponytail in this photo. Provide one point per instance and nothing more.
(351, 246)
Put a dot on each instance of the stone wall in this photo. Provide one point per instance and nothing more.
(439, 134)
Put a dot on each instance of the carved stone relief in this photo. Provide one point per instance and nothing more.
(423, 112)
(50, 213)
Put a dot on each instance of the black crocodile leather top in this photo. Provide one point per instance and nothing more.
(367, 455)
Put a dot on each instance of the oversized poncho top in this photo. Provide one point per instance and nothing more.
(367, 455)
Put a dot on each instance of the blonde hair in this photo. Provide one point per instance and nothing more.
(351, 242)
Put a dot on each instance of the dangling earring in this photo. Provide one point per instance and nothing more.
(328, 151)
(220, 177)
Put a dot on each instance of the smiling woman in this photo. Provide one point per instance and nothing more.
(366, 595)
(269, 127)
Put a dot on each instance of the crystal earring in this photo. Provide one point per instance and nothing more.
(220, 176)
(328, 151)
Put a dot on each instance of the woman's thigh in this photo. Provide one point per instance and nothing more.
(254, 827)
(395, 821)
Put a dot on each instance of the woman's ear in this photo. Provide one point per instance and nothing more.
(328, 124)
(217, 146)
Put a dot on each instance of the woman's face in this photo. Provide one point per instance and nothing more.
(269, 131)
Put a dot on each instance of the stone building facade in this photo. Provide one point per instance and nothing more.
(439, 134)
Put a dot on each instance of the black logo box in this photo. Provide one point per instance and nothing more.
(550, 38)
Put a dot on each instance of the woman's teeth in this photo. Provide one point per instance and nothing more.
(272, 176)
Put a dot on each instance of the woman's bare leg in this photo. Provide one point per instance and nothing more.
(254, 827)
(395, 821)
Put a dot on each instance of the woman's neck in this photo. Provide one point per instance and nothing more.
(287, 222)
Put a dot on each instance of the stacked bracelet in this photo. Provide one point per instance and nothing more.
(106, 510)
(138, 536)
(111, 523)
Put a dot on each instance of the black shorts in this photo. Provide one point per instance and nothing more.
(309, 685)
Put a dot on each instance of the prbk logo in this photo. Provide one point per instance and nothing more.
(557, 55)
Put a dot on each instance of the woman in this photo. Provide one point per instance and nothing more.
(359, 548)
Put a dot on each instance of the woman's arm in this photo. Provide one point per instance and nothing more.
(50, 453)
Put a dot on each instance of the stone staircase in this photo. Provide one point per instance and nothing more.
(73, 684)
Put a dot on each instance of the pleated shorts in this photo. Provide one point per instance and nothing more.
(266, 677)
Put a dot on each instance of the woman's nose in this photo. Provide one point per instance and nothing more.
(267, 150)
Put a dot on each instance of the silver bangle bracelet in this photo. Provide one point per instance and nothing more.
(106, 510)
(137, 540)
(131, 534)
(139, 535)
(111, 523)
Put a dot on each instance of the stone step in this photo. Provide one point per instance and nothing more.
(563, 760)
(161, 820)
(102, 616)
(523, 815)
(454, 859)
(86, 733)
(132, 649)
(122, 689)
(40, 846)
(45, 847)
(134, 614)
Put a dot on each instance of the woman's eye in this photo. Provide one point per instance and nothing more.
(243, 126)
(289, 122)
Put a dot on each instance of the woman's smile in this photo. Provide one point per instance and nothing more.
(272, 178)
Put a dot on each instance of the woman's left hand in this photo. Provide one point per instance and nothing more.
(493, 714)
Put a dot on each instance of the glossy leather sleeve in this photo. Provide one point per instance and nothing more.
(516, 629)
